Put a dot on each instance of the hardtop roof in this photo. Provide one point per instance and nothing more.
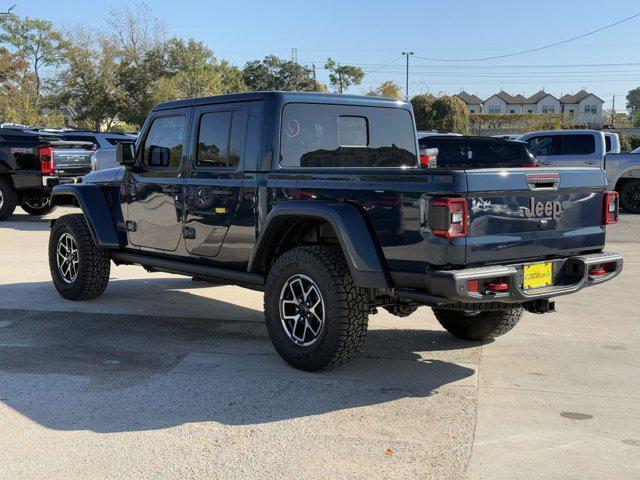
(287, 97)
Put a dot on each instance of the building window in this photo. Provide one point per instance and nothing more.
(494, 109)
(548, 109)
(529, 111)
(512, 111)
(571, 110)
(471, 110)
(591, 109)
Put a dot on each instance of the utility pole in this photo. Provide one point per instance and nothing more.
(339, 78)
(406, 92)
(314, 72)
(613, 111)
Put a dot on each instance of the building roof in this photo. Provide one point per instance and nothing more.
(578, 97)
(520, 98)
(536, 97)
(506, 97)
(469, 99)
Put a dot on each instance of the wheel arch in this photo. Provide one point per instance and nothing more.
(286, 227)
(95, 208)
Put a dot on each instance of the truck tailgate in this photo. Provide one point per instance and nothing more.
(523, 214)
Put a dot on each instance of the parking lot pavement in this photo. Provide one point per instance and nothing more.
(163, 377)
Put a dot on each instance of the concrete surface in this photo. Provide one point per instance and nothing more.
(162, 377)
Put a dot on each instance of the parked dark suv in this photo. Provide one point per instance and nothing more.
(296, 194)
(474, 152)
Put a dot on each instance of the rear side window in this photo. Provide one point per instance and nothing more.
(163, 146)
(314, 135)
(607, 141)
(219, 139)
(579, 144)
(545, 145)
(462, 152)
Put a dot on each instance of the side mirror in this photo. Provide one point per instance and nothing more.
(125, 154)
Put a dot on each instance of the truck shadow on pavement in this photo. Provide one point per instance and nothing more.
(117, 373)
(26, 223)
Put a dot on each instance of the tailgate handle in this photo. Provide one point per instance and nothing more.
(543, 181)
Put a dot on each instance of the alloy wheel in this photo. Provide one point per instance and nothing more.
(302, 310)
(68, 258)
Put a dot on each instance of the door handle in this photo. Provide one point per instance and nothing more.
(591, 162)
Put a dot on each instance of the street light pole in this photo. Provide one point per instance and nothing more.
(406, 91)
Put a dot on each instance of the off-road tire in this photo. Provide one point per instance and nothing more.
(9, 199)
(346, 315)
(628, 196)
(31, 210)
(479, 325)
(94, 263)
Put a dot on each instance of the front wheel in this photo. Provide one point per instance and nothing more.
(37, 205)
(478, 325)
(79, 268)
(316, 317)
(630, 196)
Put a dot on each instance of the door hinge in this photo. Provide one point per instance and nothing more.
(131, 226)
(189, 232)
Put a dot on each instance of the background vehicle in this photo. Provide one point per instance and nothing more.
(587, 148)
(292, 193)
(474, 152)
(31, 163)
(637, 150)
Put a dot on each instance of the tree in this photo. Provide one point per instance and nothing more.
(387, 89)
(342, 77)
(422, 111)
(450, 114)
(33, 39)
(633, 101)
(273, 73)
(88, 81)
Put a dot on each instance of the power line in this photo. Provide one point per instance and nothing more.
(531, 50)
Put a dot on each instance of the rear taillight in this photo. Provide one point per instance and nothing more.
(46, 160)
(448, 217)
(611, 208)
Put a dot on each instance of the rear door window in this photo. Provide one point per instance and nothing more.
(316, 135)
(607, 141)
(219, 139)
(579, 144)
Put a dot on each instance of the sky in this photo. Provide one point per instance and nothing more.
(372, 34)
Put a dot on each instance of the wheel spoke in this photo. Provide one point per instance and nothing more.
(67, 258)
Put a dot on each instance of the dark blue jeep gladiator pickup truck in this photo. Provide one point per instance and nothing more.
(319, 201)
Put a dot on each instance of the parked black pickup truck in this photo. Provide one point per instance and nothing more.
(32, 162)
(319, 200)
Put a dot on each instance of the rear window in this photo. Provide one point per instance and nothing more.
(117, 140)
(316, 135)
(81, 138)
(578, 144)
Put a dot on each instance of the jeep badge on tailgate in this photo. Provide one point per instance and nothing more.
(550, 209)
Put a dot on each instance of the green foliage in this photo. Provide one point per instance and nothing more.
(32, 39)
(388, 89)
(342, 77)
(273, 73)
(630, 142)
(422, 111)
(450, 114)
(633, 101)
(519, 123)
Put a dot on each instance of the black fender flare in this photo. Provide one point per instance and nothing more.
(96, 210)
(363, 256)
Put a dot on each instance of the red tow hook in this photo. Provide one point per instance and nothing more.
(597, 272)
(498, 287)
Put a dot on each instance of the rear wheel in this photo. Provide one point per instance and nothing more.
(315, 315)
(79, 268)
(37, 205)
(630, 196)
(478, 325)
(8, 199)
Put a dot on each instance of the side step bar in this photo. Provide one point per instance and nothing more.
(188, 269)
